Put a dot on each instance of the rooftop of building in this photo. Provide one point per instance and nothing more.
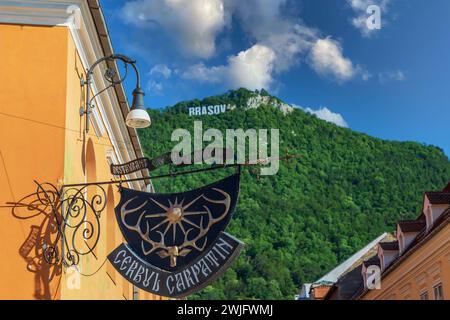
(348, 276)
(441, 197)
(412, 225)
(389, 246)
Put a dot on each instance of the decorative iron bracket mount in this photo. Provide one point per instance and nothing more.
(111, 75)
(69, 227)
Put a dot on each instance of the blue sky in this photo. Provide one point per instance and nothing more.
(391, 83)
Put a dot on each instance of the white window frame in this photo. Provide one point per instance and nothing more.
(424, 292)
(437, 285)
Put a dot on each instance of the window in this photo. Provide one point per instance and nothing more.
(438, 292)
(424, 295)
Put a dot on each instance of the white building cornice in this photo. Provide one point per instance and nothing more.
(76, 15)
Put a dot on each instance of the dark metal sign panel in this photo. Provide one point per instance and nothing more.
(176, 240)
(192, 277)
(171, 230)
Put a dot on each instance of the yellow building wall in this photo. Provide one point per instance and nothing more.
(421, 271)
(42, 138)
(32, 120)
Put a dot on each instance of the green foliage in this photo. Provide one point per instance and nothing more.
(346, 189)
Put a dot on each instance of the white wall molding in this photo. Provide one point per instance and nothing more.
(35, 12)
(107, 115)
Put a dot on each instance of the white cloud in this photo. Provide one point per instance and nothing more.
(266, 24)
(290, 45)
(251, 69)
(161, 70)
(327, 115)
(365, 75)
(280, 44)
(360, 7)
(327, 58)
(202, 73)
(156, 88)
(194, 24)
(256, 67)
(279, 41)
(391, 76)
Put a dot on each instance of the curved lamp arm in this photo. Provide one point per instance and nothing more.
(89, 75)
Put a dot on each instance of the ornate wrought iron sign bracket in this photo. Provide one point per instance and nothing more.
(70, 225)
(176, 244)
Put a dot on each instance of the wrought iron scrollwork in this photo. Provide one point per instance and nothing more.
(70, 225)
(81, 213)
(111, 75)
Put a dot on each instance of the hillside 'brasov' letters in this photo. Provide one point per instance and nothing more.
(208, 110)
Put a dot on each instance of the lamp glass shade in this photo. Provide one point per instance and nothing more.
(138, 116)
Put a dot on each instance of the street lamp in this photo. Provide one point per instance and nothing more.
(138, 116)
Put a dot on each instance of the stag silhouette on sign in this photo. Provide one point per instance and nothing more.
(176, 216)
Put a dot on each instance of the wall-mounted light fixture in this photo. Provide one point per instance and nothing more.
(138, 116)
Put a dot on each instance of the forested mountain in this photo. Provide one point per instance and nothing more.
(345, 189)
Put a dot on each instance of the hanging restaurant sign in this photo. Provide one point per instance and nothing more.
(176, 243)
(140, 164)
(166, 159)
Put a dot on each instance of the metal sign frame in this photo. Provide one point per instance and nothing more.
(70, 229)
